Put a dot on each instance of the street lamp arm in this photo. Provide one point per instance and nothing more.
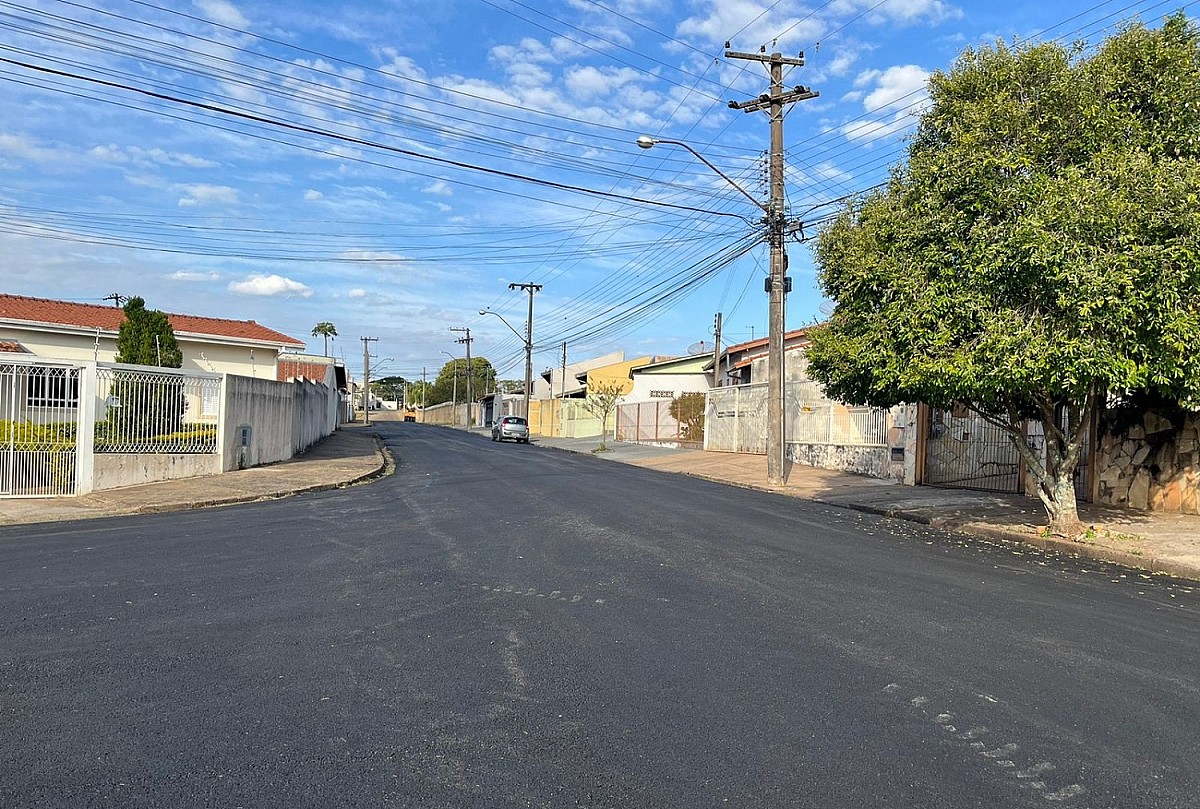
(505, 322)
(647, 142)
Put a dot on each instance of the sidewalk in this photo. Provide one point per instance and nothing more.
(350, 455)
(1159, 543)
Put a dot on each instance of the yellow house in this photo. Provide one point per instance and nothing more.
(615, 374)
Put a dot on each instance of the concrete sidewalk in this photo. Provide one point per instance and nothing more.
(349, 456)
(1160, 543)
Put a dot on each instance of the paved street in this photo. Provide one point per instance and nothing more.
(513, 626)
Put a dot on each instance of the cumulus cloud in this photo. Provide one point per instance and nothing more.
(203, 194)
(269, 285)
(312, 196)
(891, 97)
(439, 187)
(357, 292)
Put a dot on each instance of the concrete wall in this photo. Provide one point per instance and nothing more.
(646, 385)
(114, 470)
(872, 461)
(267, 408)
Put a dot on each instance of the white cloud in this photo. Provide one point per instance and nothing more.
(357, 292)
(223, 12)
(203, 194)
(898, 86)
(312, 196)
(25, 148)
(185, 275)
(269, 285)
(112, 153)
(439, 187)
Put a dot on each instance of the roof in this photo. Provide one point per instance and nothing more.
(701, 361)
(289, 366)
(43, 311)
(13, 347)
(762, 341)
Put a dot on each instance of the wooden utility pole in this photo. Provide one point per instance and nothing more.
(778, 228)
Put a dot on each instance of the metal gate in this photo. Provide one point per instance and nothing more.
(39, 422)
(965, 452)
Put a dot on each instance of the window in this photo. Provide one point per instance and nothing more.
(52, 387)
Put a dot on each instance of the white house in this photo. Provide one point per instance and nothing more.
(65, 330)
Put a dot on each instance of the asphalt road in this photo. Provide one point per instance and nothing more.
(510, 626)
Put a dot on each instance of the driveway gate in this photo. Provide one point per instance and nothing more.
(963, 451)
(39, 420)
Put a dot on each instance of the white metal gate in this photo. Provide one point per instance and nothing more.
(39, 422)
(736, 419)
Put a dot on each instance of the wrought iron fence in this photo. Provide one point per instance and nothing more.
(156, 411)
(39, 422)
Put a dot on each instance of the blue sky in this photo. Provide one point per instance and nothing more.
(391, 167)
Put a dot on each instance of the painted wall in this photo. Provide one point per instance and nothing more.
(267, 409)
(198, 355)
(615, 374)
(115, 470)
(651, 387)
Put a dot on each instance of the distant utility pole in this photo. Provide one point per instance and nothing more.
(366, 394)
(423, 385)
(717, 351)
(778, 228)
(562, 408)
(117, 299)
(530, 288)
(467, 339)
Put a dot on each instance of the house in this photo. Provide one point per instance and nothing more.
(66, 330)
(666, 378)
(614, 374)
(746, 363)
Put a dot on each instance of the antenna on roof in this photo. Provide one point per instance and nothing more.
(699, 348)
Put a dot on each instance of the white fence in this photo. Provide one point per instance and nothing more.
(39, 426)
(69, 428)
(156, 411)
(736, 420)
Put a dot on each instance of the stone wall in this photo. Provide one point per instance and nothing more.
(1153, 463)
(871, 461)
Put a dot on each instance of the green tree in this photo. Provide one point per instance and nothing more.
(150, 405)
(602, 399)
(1038, 250)
(327, 330)
(688, 410)
(444, 389)
(145, 337)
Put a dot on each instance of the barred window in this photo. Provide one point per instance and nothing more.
(52, 387)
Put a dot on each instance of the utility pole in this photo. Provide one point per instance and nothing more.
(530, 288)
(562, 408)
(717, 351)
(778, 228)
(366, 394)
(467, 340)
(117, 299)
(424, 384)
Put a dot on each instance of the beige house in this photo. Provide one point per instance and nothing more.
(88, 333)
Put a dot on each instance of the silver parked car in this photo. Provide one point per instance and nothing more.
(513, 427)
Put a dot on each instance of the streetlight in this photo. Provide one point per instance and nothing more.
(776, 224)
(454, 395)
(528, 354)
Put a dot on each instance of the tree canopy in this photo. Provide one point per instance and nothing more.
(444, 389)
(1038, 249)
(145, 337)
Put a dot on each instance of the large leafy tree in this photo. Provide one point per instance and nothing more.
(145, 337)
(1037, 252)
(444, 389)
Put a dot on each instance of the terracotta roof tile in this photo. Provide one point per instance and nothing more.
(94, 316)
(13, 347)
(288, 368)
